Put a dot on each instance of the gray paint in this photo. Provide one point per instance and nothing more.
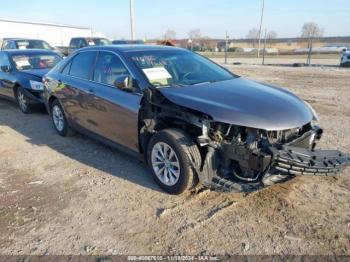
(243, 102)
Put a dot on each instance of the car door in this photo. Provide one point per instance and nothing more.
(114, 112)
(77, 93)
(7, 80)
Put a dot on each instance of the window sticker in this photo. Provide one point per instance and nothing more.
(157, 73)
(22, 63)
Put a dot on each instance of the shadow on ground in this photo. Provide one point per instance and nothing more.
(38, 130)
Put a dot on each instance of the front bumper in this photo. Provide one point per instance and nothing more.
(277, 164)
(35, 97)
(302, 162)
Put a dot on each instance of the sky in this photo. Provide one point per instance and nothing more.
(212, 17)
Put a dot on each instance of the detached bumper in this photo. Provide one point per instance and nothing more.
(286, 163)
(302, 162)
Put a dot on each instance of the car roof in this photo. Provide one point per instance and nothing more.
(27, 51)
(88, 37)
(20, 39)
(133, 48)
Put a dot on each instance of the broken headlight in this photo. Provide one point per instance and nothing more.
(315, 121)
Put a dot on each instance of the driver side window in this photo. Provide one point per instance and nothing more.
(108, 67)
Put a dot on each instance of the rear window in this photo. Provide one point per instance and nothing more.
(81, 64)
(33, 44)
(35, 61)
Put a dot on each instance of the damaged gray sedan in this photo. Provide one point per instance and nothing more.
(191, 120)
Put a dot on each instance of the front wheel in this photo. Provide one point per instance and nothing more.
(172, 154)
(59, 120)
(23, 101)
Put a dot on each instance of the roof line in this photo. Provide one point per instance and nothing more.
(40, 23)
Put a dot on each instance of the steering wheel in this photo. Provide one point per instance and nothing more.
(157, 84)
(186, 75)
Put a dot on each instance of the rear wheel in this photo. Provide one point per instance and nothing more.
(172, 154)
(59, 120)
(23, 101)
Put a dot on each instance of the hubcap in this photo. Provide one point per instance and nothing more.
(58, 118)
(165, 164)
(22, 101)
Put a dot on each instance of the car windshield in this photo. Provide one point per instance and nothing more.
(177, 68)
(35, 61)
(33, 44)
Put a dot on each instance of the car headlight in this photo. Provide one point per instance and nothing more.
(35, 85)
(315, 119)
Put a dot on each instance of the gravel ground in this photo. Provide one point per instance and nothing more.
(77, 196)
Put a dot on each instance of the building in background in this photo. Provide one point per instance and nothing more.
(54, 34)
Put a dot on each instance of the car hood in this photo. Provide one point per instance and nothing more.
(244, 103)
(36, 72)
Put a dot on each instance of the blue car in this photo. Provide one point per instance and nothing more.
(21, 73)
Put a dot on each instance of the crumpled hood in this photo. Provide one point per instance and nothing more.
(244, 103)
(36, 72)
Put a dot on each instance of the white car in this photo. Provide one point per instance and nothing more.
(345, 59)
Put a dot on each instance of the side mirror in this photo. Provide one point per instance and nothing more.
(125, 82)
(5, 69)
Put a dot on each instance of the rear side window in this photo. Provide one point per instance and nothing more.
(66, 69)
(81, 64)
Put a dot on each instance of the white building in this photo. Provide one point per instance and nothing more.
(54, 34)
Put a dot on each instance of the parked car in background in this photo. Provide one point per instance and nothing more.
(345, 59)
(127, 42)
(81, 42)
(190, 118)
(23, 43)
(21, 73)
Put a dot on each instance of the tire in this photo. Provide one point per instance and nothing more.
(59, 120)
(22, 101)
(173, 180)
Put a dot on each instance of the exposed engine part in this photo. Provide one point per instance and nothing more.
(246, 159)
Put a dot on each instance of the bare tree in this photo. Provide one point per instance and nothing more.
(270, 36)
(311, 31)
(253, 35)
(195, 34)
(206, 43)
(169, 35)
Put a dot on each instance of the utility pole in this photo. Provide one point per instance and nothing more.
(261, 23)
(226, 47)
(264, 52)
(310, 50)
(132, 19)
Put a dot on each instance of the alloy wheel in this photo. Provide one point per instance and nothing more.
(22, 102)
(165, 164)
(58, 118)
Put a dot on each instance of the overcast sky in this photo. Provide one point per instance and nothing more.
(213, 17)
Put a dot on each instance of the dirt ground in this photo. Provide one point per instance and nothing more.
(283, 60)
(77, 196)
